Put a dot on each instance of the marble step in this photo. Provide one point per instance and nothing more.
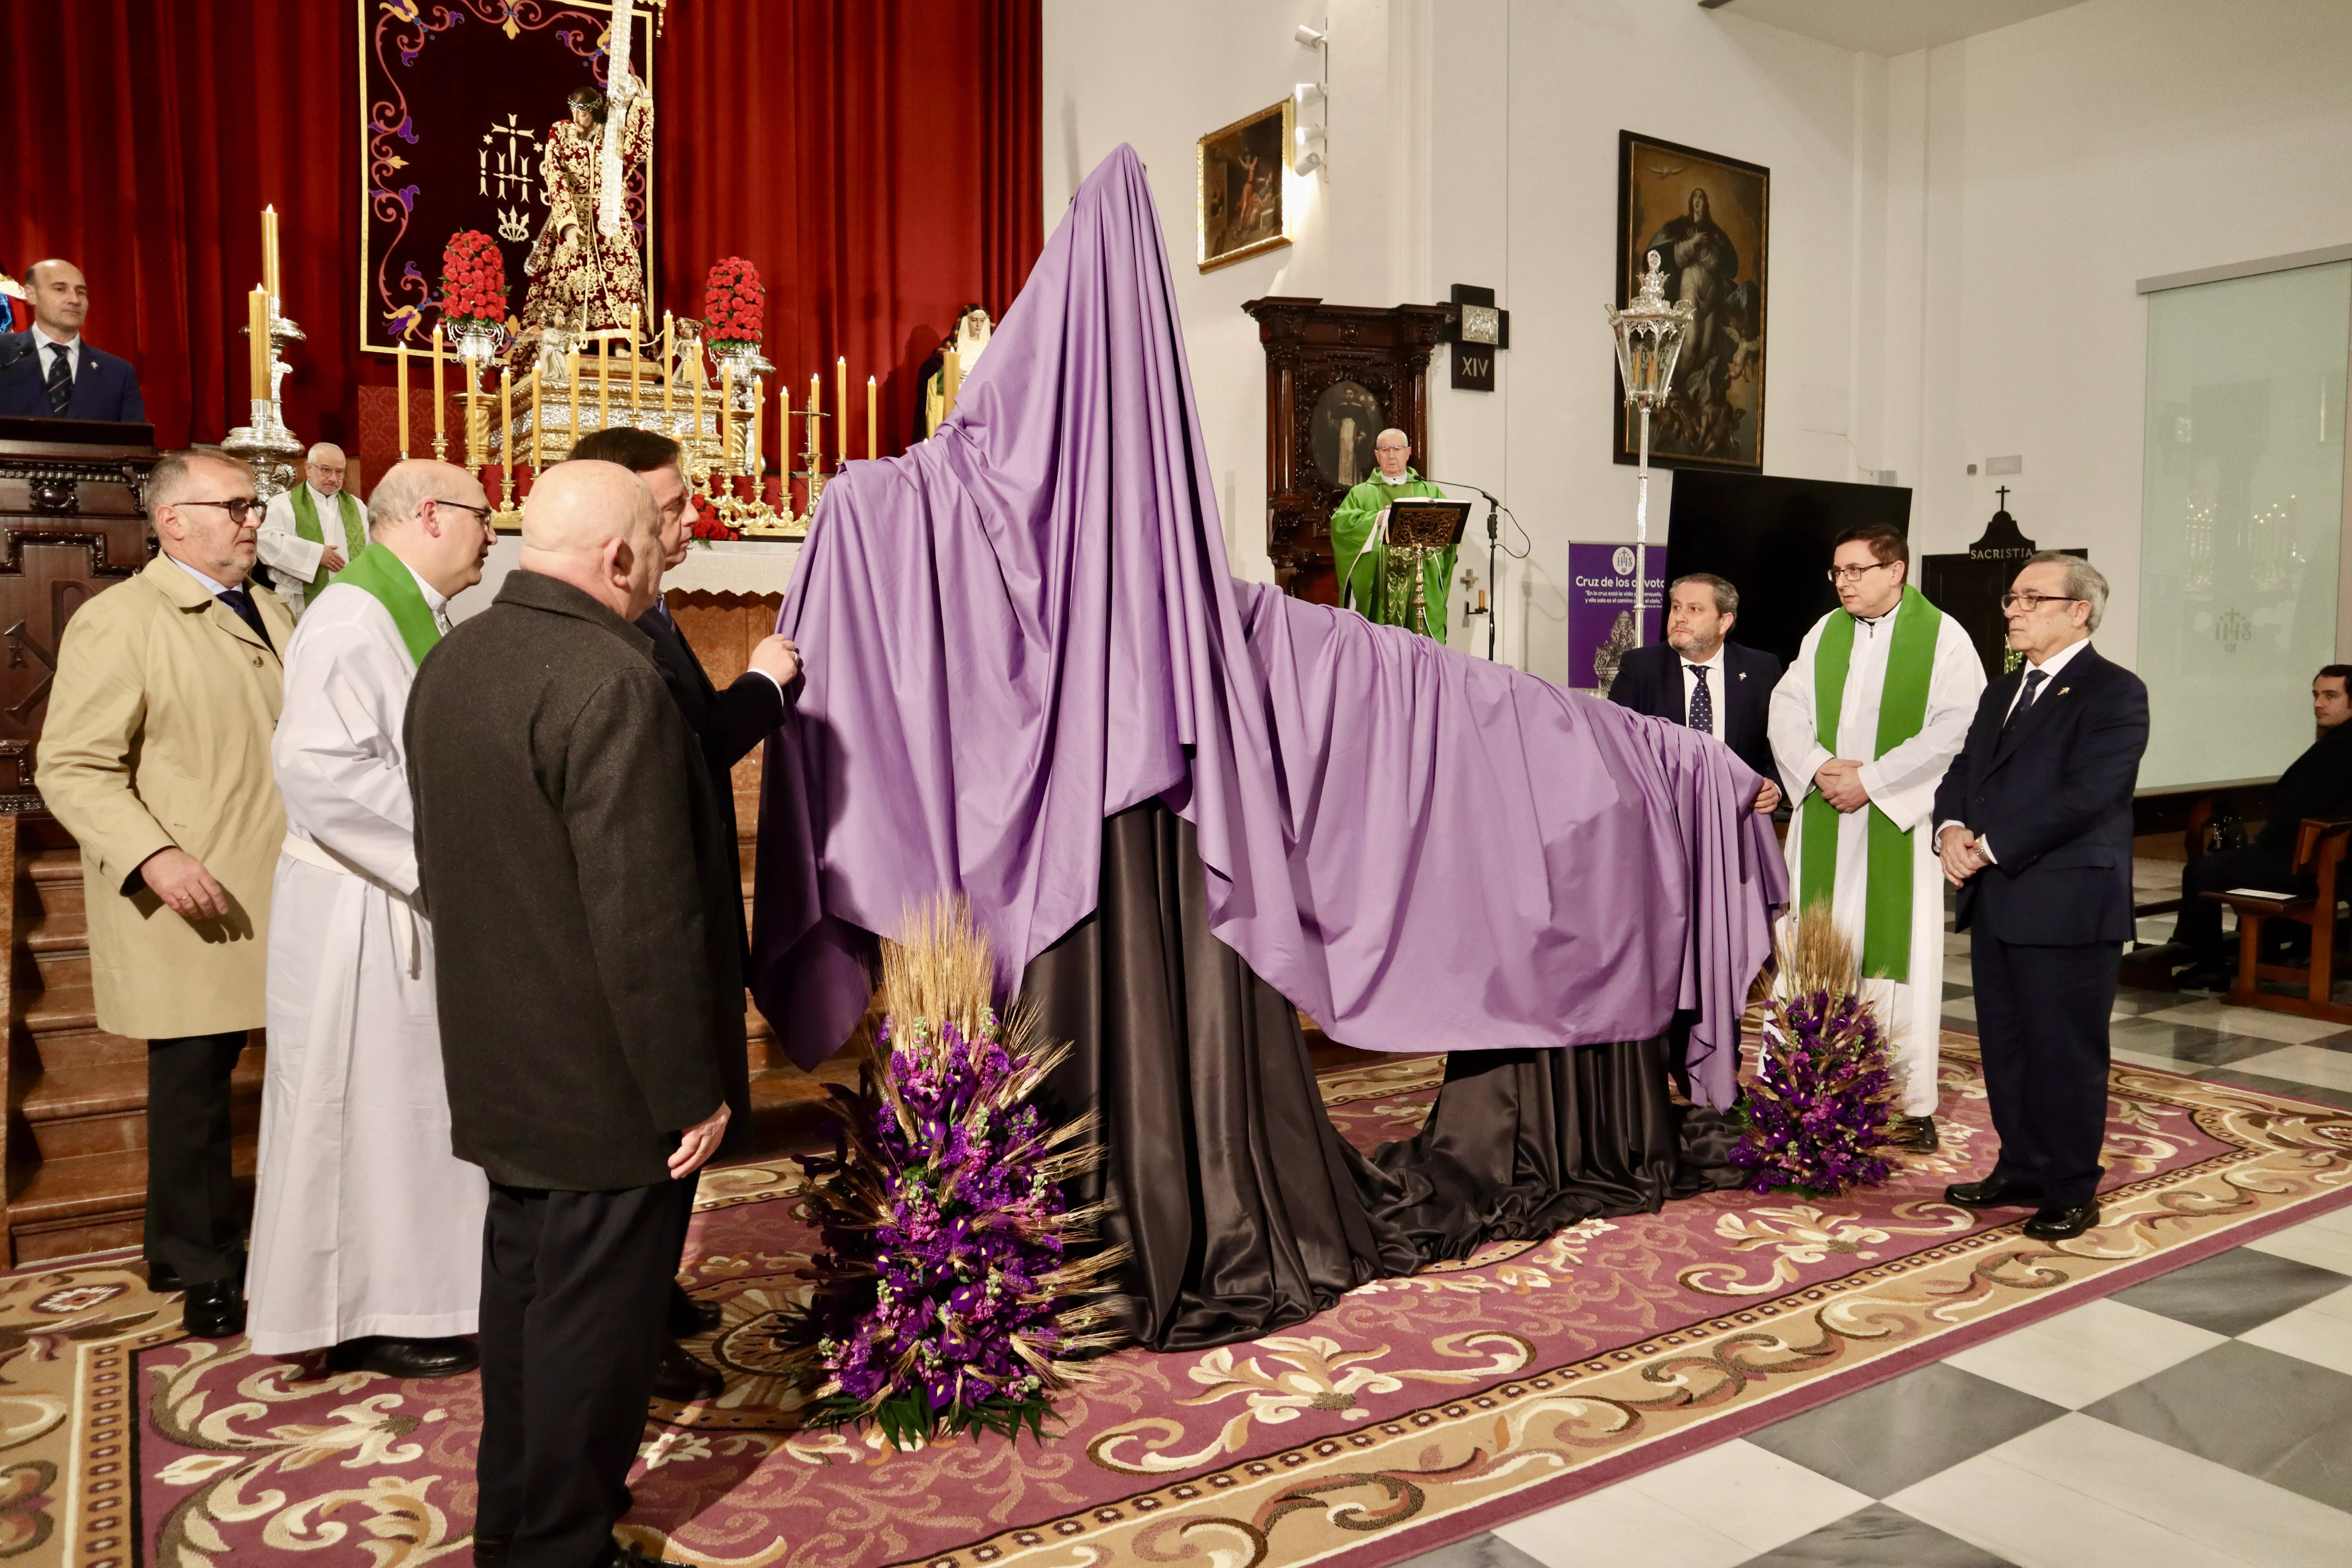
(94, 1201)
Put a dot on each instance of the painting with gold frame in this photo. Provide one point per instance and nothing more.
(1240, 172)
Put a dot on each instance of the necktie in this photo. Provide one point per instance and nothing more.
(60, 382)
(2033, 680)
(240, 601)
(1702, 702)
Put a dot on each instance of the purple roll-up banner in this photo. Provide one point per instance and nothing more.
(1600, 596)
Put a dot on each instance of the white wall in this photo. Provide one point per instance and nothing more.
(2061, 160)
(1955, 232)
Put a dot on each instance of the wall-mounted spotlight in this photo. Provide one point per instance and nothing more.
(1307, 148)
(1305, 96)
(1307, 35)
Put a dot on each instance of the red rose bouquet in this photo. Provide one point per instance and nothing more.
(734, 301)
(707, 524)
(473, 277)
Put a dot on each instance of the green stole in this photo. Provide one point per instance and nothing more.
(378, 571)
(306, 526)
(1902, 709)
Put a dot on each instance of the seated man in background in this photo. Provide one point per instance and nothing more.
(2318, 784)
(1697, 678)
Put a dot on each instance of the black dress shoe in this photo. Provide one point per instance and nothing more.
(2062, 1221)
(406, 1358)
(490, 1551)
(213, 1311)
(1917, 1133)
(683, 1380)
(689, 1317)
(2203, 978)
(619, 1556)
(1992, 1192)
(163, 1281)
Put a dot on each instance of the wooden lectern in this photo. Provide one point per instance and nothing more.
(72, 523)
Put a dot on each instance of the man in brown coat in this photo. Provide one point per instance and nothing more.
(155, 757)
(589, 997)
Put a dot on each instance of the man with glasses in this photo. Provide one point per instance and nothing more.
(2035, 828)
(313, 530)
(1863, 725)
(1359, 542)
(156, 759)
(366, 1228)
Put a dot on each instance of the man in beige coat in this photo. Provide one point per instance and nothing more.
(155, 756)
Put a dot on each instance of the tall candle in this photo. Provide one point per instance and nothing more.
(726, 418)
(605, 385)
(841, 408)
(873, 425)
(505, 418)
(437, 408)
(538, 417)
(402, 357)
(752, 455)
(473, 417)
(256, 314)
(669, 362)
(572, 386)
(269, 278)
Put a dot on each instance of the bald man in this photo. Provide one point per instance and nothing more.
(1360, 548)
(313, 530)
(48, 372)
(589, 994)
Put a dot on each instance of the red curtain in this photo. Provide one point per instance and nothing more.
(876, 159)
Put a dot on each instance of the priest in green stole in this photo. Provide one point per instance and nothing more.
(1359, 530)
(1862, 726)
(313, 530)
(367, 1228)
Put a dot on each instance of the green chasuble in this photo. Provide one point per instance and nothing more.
(1902, 709)
(1364, 584)
(378, 571)
(306, 526)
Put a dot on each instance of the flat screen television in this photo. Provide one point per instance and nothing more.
(1770, 537)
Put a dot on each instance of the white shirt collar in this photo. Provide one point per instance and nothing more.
(42, 333)
(435, 600)
(2057, 661)
(215, 587)
(1403, 479)
(1712, 662)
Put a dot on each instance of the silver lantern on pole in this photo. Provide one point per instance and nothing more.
(1649, 335)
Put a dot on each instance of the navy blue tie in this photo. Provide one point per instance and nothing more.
(2033, 680)
(1702, 702)
(240, 601)
(61, 384)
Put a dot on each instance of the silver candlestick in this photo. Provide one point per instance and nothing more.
(266, 444)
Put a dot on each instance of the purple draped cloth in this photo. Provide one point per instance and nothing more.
(1025, 625)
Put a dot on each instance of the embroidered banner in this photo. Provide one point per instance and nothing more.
(459, 103)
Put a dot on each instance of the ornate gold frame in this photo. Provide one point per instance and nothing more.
(1200, 191)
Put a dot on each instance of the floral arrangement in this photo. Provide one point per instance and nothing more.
(946, 1298)
(1821, 1109)
(735, 300)
(473, 277)
(707, 524)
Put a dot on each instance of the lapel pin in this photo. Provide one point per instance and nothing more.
(2063, 689)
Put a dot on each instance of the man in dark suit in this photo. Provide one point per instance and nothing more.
(726, 724)
(1697, 678)
(589, 1003)
(50, 373)
(2318, 783)
(2035, 827)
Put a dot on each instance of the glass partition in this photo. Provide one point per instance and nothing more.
(2241, 509)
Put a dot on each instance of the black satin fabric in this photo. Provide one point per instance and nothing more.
(1246, 1210)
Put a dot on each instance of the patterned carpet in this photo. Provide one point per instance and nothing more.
(1416, 1412)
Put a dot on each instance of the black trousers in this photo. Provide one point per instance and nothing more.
(575, 1286)
(2200, 927)
(2041, 1021)
(193, 1229)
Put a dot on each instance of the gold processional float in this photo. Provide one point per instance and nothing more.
(711, 397)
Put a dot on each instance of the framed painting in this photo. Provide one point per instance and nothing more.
(1242, 171)
(1706, 217)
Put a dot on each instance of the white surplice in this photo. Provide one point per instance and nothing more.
(365, 1223)
(1902, 783)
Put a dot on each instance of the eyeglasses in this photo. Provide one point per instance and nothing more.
(2031, 602)
(1853, 574)
(238, 508)
(481, 512)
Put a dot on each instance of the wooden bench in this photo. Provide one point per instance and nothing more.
(2319, 850)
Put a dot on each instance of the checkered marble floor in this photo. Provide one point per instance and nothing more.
(2203, 1419)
